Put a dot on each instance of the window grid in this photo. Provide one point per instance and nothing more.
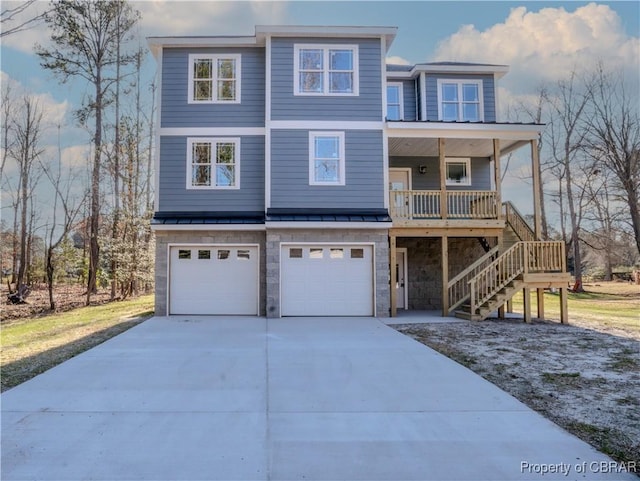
(214, 78)
(460, 100)
(326, 70)
(326, 158)
(213, 163)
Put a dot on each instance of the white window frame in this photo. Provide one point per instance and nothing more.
(458, 160)
(400, 99)
(325, 70)
(460, 83)
(341, 160)
(213, 141)
(214, 80)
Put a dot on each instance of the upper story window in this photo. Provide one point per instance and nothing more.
(213, 163)
(325, 70)
(395, 110)
(326, 158)
(214, 78)
(460, 100)
(458, 171)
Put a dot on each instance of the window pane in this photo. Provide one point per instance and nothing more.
(226, 89)
(225, 153)
(470, 112)
(449, 111)
(184, 254)
(327, 147)
(357, 253)
(223, 254)
(315, 253)
(310, 59)
(310, 82)
(450, 92)
(243, 254)
(341, 59)
(393, 94)
(202, 69)
(202, 90)
(204, 254)
(337, 253)
(470, 92)
(201, 175)
(201, 153)
(295, 253)
(327, 171)
(457, 172)
(341, 82)
(226, 68)
(225, 175)
(393, 112)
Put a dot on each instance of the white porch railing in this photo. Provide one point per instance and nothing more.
(425, 204)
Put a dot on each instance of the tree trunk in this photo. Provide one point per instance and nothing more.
(575, 231)
(94, 247)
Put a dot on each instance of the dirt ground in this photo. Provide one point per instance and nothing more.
(585, 380)
(67, 297)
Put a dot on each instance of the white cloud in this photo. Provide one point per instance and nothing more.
(397, 60)
(545, 45)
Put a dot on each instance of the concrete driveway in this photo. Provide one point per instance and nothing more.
(203, 398)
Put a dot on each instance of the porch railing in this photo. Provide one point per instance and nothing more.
(425, 204)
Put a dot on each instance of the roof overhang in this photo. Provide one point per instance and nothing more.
(443, 68)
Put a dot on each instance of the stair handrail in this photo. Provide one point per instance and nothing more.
(514, 218)
(458, 286)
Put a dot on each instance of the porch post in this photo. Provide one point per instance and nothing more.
(540, 293)
(445, 276)
(526, 298)
(497, 176)
(393, 277)
(564, 306)
(443, 179)
(537, 205)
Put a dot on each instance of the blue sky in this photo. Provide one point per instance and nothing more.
(541, 41)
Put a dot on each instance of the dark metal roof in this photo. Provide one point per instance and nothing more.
(328, 215)
(399, 68)
(194, 218)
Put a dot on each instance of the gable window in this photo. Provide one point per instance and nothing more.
(214, 78)
(325, 70)
(460, 100)
(458, 171)
(395, 109)
(326, 158)
(213, 163)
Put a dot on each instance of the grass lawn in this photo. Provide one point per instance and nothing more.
(602, 306)
(33, 345)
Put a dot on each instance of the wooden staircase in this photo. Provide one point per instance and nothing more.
(496, 277)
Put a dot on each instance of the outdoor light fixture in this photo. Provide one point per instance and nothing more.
(422, 169)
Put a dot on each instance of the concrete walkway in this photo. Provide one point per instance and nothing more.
(204, 398)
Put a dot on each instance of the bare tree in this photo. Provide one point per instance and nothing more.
(86, 37)
(614, 139)
(11, 24)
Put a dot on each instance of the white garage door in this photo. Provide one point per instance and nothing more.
(327, 280)
(214, 280)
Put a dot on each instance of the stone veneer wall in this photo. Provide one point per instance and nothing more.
(164, 238)
(425, 267)
(378, 236)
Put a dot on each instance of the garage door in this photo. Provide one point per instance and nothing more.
(214, 280)
(327, 280)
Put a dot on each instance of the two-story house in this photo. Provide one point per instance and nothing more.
(294, 167)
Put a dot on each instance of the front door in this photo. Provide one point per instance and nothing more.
(401, 278)
(399, 180)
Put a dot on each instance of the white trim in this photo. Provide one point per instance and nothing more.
(326, 31)
(196, 244)
(156, 153)
(338, 243)
(462, 130)
(385, 169)
(329, 225)
(326, 124)
(211, 131)
(208, 227)
(467, 69)
(496, 96)
(404, 250)
(459, 83)
(214, 141)
(214, 57)
(383, 69)
(458, 160)
(342, 174)
(156, 44)
(400, 86)
(325, 70)
(398, 74)
(423, 96)
(267, 124)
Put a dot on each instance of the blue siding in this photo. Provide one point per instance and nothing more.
(480, 173)
(488, 92)
(367, 106)
(174, 196)
(176, 112)
(409, 93)
(290, 172)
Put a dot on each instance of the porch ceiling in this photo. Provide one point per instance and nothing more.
(416, 147)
